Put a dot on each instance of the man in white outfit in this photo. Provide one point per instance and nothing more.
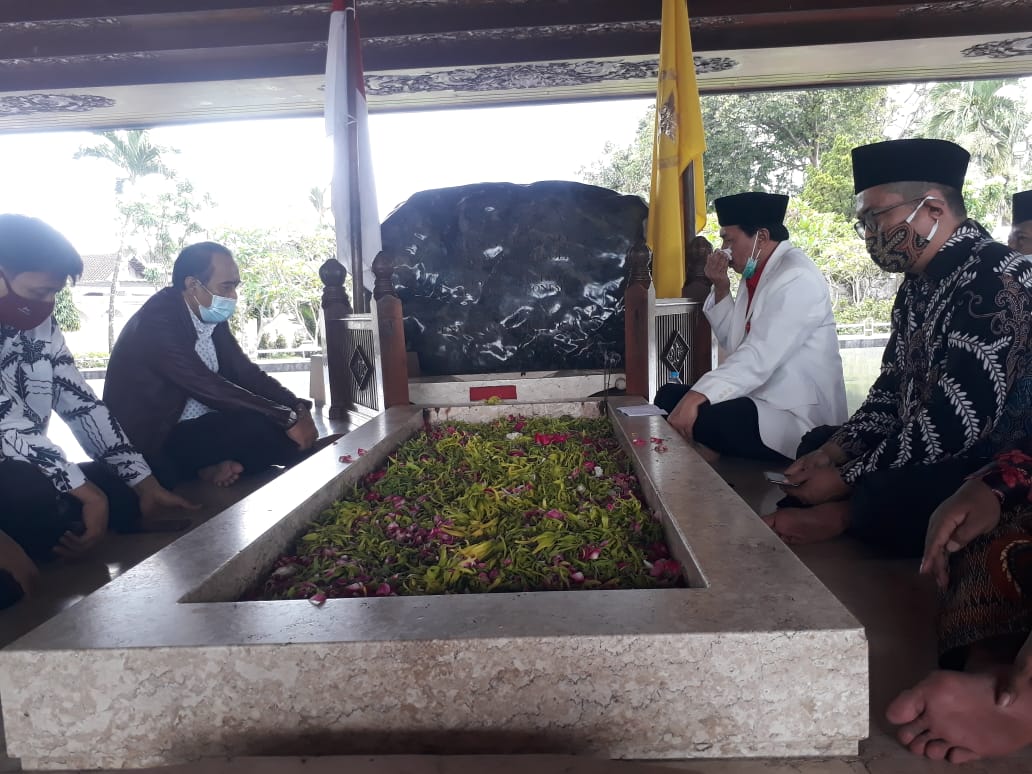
(783, 373)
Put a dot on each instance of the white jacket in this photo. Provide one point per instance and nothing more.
(789, 363)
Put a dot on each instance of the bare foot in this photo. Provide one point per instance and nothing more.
(222, 474)
(798, 526)
(954, 716)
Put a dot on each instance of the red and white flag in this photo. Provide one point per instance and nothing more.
(353, 190)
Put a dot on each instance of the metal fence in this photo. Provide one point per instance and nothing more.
(866, 328)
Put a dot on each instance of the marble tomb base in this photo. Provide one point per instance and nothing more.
(162, 666)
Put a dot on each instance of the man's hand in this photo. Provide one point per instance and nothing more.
(827, 456)
(683, 417)
(154, 497)
(821, 485)
(972, 511)
(94, 516)
(716, 272)
(303, 432)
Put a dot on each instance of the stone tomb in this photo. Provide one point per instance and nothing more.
(161, 666)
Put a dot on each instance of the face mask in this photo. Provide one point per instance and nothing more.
(22, 313)
(898, 248)
(750, 265)
(221, 308)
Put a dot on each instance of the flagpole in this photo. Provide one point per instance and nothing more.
(354, 69)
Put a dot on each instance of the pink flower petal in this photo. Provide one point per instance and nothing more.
(361, 452)
(317, 599)
(346, 458)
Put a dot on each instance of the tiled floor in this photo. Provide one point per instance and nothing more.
(886, 595)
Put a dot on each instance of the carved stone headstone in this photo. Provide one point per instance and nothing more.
(498, 277)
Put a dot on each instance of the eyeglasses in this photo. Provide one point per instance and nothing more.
(868, 222)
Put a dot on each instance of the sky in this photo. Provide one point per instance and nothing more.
(261, 172)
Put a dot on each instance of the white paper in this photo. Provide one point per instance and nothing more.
(643, 410)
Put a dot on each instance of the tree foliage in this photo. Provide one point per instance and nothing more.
(773, 141)
(799, 143)
(66, 314)
(991, 120)
(279, 275)
(132, 152)
(161, 224)
(134, 156)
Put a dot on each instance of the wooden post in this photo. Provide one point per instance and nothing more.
(636, 320)
(336, 308)
(390, 322)
(696, 288)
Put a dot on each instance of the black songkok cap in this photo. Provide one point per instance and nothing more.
(751, 209)
(904, 161)
(1022, 203)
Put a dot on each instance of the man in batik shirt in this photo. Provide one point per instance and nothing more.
(960, 341)
(48, 505)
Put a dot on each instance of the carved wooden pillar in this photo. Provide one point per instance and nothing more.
(636, 321)
(390, 322)
(697, 287)
(336, 307)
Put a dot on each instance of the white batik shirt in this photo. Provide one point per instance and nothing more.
(37, 376)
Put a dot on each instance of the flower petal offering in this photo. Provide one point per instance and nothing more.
(516, 504)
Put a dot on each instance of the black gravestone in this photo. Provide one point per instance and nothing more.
(499, 277)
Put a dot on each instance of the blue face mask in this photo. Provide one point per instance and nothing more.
(752, 263)
(220, 310)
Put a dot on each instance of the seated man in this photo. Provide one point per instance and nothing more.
(49, 506)
(1020, 240)
(187, 395)
(979, 550)
(783, 373)
(960, 343)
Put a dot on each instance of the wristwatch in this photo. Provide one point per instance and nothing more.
(292, 418)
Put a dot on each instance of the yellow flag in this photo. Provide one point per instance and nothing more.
(679, 141)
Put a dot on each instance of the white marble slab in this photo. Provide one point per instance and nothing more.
(758, 660)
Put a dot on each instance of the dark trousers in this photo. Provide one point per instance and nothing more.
(891, 508)
(35, 515)
(731, 427)
(253, 440)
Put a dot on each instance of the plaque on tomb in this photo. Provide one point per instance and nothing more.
(499, 277)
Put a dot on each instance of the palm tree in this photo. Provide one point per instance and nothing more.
(135, 156)
(992, 125)
(132, 152)
(317, 198)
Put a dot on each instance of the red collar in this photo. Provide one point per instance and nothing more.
(754, 280)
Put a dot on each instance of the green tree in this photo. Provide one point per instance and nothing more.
(991, 120)
(627, 169)
(65, 312)
(317, 197)
(162, 224)
(829, 239)
(763, 141)
(135, 156)
(132, 152)
(279, 275)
